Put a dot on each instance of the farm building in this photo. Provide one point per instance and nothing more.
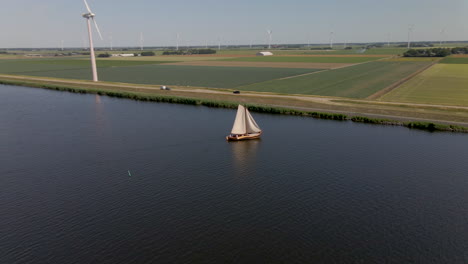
(264, 53)
(123, 55)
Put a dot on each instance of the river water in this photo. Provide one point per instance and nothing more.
(90, 179)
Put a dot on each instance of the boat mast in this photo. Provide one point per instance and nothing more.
(245, 119)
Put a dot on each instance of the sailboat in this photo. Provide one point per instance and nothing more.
(244, 126)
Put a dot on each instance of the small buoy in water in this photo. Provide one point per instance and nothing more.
(129, 174)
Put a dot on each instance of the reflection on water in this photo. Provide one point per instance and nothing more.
(244, 155)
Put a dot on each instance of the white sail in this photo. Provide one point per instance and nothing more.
(251, 125)
(239, 127)
(244, 122)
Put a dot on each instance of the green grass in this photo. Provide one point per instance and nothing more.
(454, 60)
(201, 76)
(306, 59)
(359, 81)
(445, 84)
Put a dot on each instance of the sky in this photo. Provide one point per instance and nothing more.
(46, 23)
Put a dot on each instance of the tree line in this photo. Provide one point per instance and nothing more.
(435, 52)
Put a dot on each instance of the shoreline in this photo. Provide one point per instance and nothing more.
(255, 107)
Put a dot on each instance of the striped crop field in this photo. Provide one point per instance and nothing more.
(310, 59)
(200, 76)
(358, 81)
(445, 84)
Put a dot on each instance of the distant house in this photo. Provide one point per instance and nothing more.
(264, 53)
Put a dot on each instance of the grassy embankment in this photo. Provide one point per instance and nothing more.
(227, 104)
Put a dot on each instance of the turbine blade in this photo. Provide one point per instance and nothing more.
(97, 28)
(87, 6)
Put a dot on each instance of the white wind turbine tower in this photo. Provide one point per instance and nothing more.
(270, 36)
(442, 32)
(177, 41)
(331, 40)
(88, 16)
(111, 42)
(141, 40)
(410, 30)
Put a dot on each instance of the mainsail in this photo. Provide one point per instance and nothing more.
(244, 122)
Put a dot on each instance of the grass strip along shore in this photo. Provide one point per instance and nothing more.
(429, 126)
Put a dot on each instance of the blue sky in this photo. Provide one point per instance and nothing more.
(45, 23)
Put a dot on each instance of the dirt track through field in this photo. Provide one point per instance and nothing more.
(298, 65)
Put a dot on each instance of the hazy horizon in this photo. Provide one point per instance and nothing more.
(46, 24)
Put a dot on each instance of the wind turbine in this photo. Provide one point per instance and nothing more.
(270, 36)
(111, 42)
(410, 30)
(141, 40)
(88, 16)
(177, 41)
(441, 36)
(331, 40)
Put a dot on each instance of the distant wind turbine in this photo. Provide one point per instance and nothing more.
(270, 36)
(177, 41)
(410, 31)
(88, 16)
(111, 42)
(141, 40)
(442, 32)
(331, 40)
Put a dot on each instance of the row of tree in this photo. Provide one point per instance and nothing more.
(435, 52)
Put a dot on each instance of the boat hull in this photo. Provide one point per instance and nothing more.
(243, 137)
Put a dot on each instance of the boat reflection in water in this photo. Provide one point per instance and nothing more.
(244, 156)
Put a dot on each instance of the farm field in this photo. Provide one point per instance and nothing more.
(455, 60)
(39, 65)
(309, 59)
(200, 76)
(167, 58)
(445, 84)
(300, 65)
(359, 81)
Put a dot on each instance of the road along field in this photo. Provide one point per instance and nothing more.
(359, 81)
(201, 76)
(445, 84)
(309, 59)
(297, 65)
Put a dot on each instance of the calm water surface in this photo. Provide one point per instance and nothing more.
(310, 191)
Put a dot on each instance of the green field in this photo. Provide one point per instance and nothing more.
(26, 66)
(441, 84)
(454, 60)
(306, 59)
(201, 76)
(359, 81)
